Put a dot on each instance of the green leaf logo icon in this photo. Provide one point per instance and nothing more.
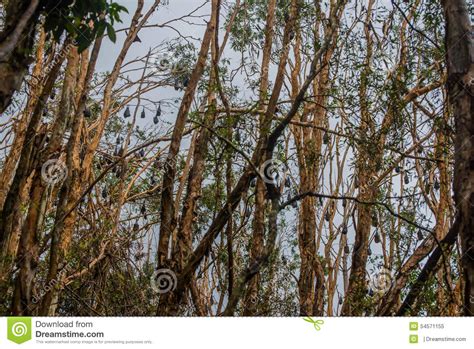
(19, 329)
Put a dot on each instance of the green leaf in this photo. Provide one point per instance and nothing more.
(111, 33)
(100, 28)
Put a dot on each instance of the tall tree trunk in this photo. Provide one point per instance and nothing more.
(16, 46)
(353, 304)
(167, 304)
(258, 234)
(8, 168)
(460, 61)
(167, 222)
(70, 192)
(309, 143)
(30, 238)
(10, 213)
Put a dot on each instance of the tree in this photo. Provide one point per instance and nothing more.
(460, 65)
(285, 158)
(82, 20)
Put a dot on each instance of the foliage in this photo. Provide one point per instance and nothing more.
(82, 20)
